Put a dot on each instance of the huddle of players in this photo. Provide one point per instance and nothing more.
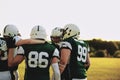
(69, 61)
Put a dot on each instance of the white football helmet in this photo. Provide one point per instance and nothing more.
(56, 35)
(57, 32)
(10, 30)
(71, 30)
(38, 32)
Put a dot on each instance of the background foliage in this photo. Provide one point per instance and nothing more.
(100, 48)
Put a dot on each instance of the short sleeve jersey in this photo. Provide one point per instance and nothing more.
(79, 50)
(38, 59)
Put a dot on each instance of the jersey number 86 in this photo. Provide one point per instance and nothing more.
(37, 60)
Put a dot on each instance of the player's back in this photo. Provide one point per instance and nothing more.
(78, 58)
(38, 59)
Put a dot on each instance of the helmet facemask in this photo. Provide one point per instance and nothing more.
(56, 35)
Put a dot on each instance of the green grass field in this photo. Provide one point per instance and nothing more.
(100, 69)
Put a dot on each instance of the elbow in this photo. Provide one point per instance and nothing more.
(87, 66)
(10, 64)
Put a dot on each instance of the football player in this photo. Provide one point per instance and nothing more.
(38, 57)
(56, 38)
(4, 70)
(7, 73)
(74, 51)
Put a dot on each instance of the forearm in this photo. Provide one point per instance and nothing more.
(56, 71)
(87, 66)
(29, 41)
(62, 67)
(10, 57)
(64, 59)
(14, 60)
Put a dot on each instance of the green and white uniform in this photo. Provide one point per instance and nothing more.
(79, 50)
(4, 69)
(7, 73)
(66, 73)
(38, 60)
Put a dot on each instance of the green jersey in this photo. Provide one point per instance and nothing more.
(79, 50)
(38, 59)
(3, 55)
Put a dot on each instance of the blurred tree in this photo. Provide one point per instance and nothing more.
(110, 46)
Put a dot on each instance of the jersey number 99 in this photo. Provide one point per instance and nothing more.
(82, 53)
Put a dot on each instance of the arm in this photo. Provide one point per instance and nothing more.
(13, 61)
(29, 41)
(65, 55)
(55, 68)
(87, 64)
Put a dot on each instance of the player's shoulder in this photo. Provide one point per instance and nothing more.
(81, 41)
(65, 44)
(16, 38)
(48, 47)
(84, 43)
(49, 44)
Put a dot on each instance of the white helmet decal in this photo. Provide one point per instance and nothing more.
(38, 32)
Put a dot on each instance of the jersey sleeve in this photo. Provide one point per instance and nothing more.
(66, 45)
(56, 53)
(16, 38)
(20, 50)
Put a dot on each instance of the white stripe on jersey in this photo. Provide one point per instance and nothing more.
(56, 52)
(20, 50)
(65, 44)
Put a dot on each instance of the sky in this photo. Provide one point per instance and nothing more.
(98, 19)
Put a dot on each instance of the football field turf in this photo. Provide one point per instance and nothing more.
(100, 69)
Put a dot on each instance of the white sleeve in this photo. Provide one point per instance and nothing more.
(20, 50)
(65, 45)
(56, 53)
(16, 38)
(56, 71)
